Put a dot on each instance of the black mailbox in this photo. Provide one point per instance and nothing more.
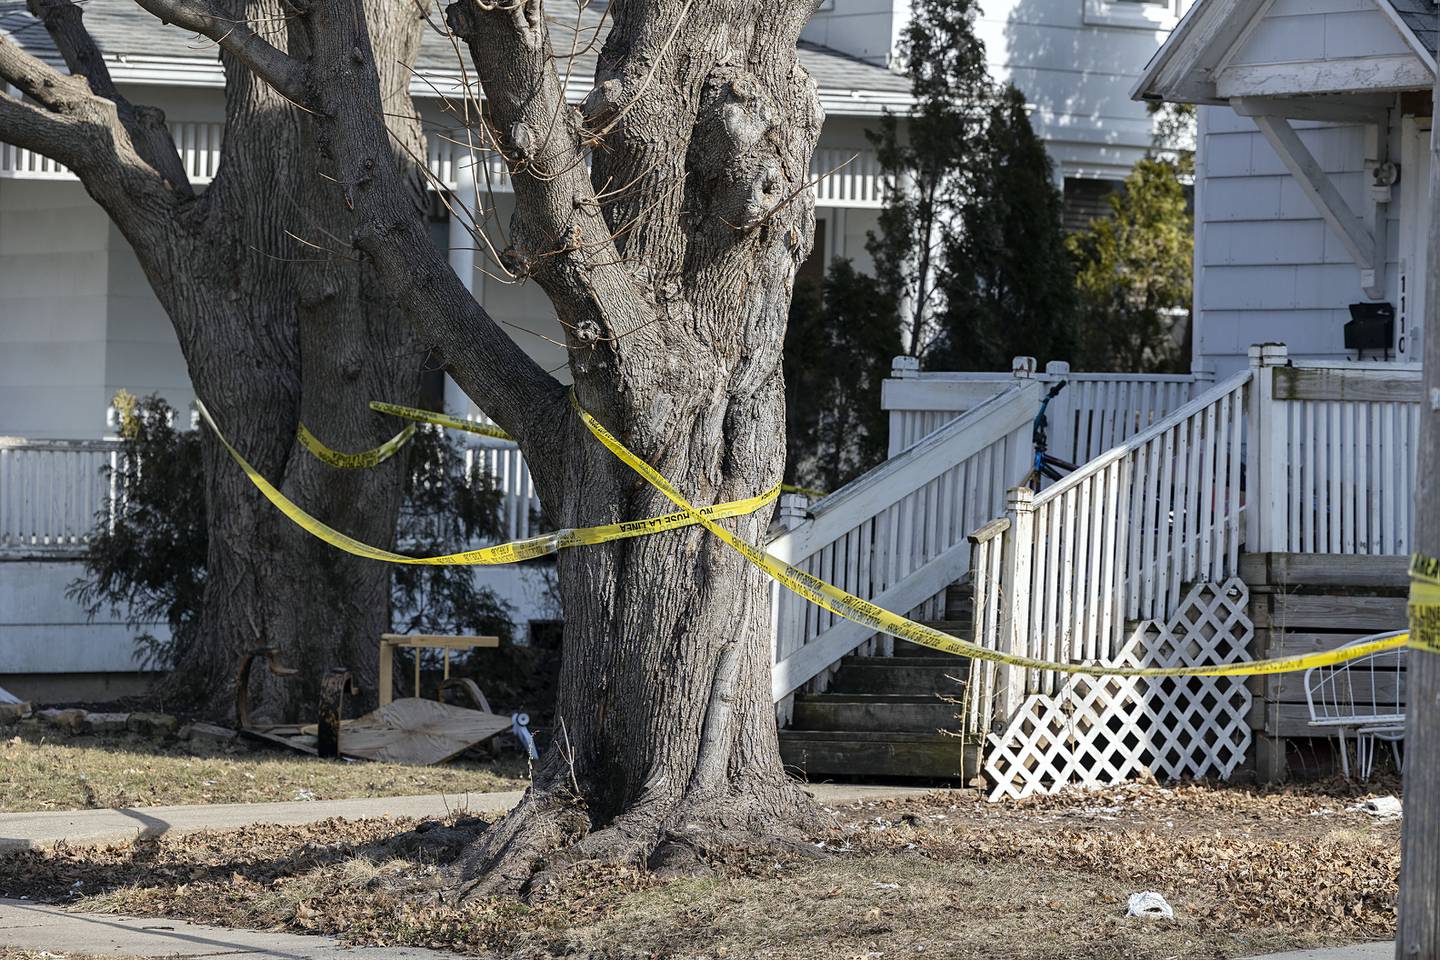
(1371, 327)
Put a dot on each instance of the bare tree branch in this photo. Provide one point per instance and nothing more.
(55, 135)
(146, 125)
(559, 235)
(277, 68)
(37, 80)
(343, 94)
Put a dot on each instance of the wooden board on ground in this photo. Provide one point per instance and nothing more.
(418, 731)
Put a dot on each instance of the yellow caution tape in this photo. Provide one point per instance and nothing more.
(353, 461)
(867, 614)
(439, 419)
(470, 426)
(1424, 606)
(512, 552)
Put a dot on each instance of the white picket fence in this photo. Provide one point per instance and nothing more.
(1335, 455)
(896, 536)
(1116, 541)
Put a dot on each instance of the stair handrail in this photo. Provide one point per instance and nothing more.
(896, 535)
(1176, 477)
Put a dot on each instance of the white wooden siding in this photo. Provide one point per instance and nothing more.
(1076, 61)
(1268, 268)
(1296, 31)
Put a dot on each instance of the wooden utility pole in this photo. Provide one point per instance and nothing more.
(1418, 935)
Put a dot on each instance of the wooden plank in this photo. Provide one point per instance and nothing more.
(432, 640)
(1379, 686)
(1363, 386)
(1261, 570)
(1286, 720)
(1282, 643)
(1372, 614)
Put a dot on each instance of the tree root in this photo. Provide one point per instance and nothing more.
(509, 855)
(550, 836)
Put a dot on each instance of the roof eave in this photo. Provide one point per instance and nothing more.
(1201, 38)
(1401, 24)
(204, 72)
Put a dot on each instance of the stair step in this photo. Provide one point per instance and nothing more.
(817, 753)
(912, 676)
(875, 712)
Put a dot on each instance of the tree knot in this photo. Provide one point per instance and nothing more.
(461, 18)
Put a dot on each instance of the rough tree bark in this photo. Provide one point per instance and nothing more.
(673, 276)
(273, 331)
(1418, 934)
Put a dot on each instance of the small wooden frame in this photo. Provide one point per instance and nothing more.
(390, 641)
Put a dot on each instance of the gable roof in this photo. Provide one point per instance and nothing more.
(1419, 21)
(1183, 68)
(139, 49)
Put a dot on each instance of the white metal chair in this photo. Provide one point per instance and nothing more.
(1365, 696)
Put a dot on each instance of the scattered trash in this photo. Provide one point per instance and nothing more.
(1383, 808)
(1149, 905)
(304, 795)
(886, 886)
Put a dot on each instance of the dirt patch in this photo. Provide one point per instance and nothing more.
(48, 772)
(944, 875)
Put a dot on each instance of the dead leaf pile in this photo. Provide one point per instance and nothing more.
(1245, 870)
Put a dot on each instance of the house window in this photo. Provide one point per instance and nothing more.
(1086, 199)
(1139, 14)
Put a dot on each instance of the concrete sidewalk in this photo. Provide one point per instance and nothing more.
(32, 926)
(1363, 951)
(29, 831)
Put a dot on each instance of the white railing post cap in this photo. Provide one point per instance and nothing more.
(905, 367)
(1057, 368)
(1020, 498)
(1268, 355)
(793, 509)
(1024, 367)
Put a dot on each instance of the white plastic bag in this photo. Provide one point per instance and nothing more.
(1150, 906)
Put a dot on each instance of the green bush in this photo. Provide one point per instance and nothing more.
(146, 557)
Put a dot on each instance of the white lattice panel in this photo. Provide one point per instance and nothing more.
(1101, 730)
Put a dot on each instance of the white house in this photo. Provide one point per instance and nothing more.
(1261, 506)
(1312, 169)
(78, 320)
(1075, 60)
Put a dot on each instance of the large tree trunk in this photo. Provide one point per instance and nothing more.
(279, 323)
(671, 266)
(667, 741)
(347, 345)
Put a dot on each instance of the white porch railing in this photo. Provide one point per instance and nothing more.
(896, 536)
(197, 143)
(51, 492)
(1335, 455)
(858, 184)
(1059, 577)
(1093, 413)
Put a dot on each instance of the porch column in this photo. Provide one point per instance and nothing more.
(1265, 466)
(461, 248)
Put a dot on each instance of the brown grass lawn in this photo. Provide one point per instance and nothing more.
(46, 772)
(942, 876)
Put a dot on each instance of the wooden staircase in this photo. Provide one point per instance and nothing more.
(884, 716)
